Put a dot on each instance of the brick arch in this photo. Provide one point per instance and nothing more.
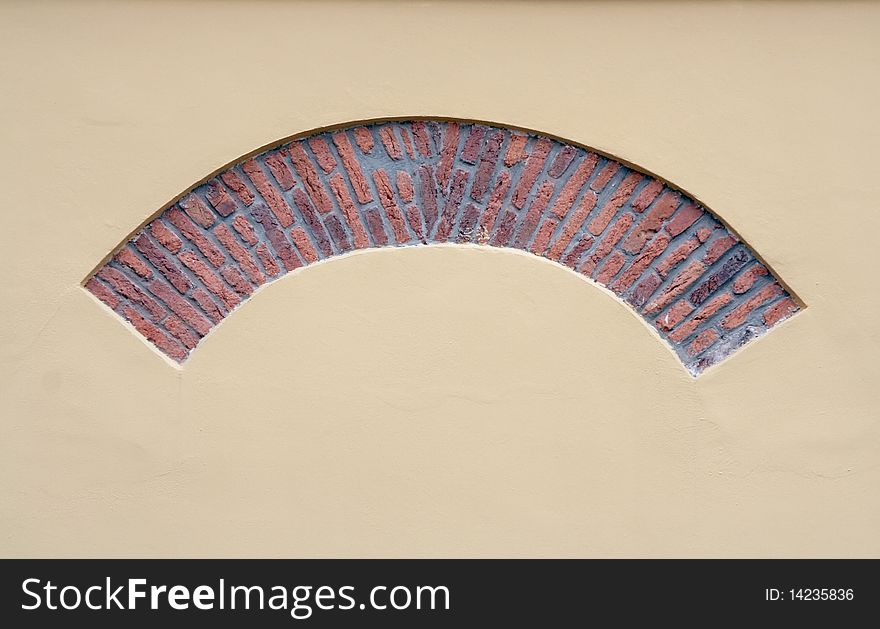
(407, 183)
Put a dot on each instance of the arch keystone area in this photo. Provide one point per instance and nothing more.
(420, 182)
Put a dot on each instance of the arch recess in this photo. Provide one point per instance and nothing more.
(419, 182)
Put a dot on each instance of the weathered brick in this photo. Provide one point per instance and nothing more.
(310, 217)
(239, 254)
(165, 236)
(450, 209)
(267, 260)
(530, 221)
(414, 218)
(352, 167)
(487, 221)
(644, 290)
(428, 197)
(651, 222)
(782, 309)
(691, 273)
(562, 161)
(303, 245)
(640, 263)
(407, 143)
(534, 166)
(392, 210)
(404, 186)
(542, 240)
(420, 134)
(573, 257)
(235, 279)
(389, 141)
(231, 179)
(337, 233)
(748, 278)
(674, 315)
(516, 150)
(210, 279)
(608, 171)
(447, 154)
(346, 205)
(323, 154)
(155, 335)
(364, 139)
(647, 195)
(219, 198)
(684, 218)
(608, 242)
(279, 169)
(127, 257)
(467, 227)
(178, 330)
(690, 326)
(677, 256)
(245, 230)
(377, 229)
(611, 267)
(472, 145)
(573, 186)
(573, 225)
(276, 237)
(505, 229)
(488, 160)
(181, 307)
(718, 248)
(728, 269)
(197, 210)
(617, 200)
(738, 315)
(103, 293)
(309, 176)
(702, 342)
(214, 311)
(165, 265)
(195, 236)
(270, 194)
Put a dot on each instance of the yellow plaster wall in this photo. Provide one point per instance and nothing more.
(446, 401)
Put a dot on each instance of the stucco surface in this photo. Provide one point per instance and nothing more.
(440, 401)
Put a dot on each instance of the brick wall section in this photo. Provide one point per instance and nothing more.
(423, 182)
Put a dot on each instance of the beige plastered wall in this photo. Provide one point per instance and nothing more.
(444, 401)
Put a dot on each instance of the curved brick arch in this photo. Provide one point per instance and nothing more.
(402, 183)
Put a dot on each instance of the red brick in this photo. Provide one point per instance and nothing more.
(346, 205)
(214, 311)
(608, 171)
(453, 201)
(702, 342)
(276, 237)
(691, 273)
(303, 245)
(337, 233)
(268, 261)
(704, 232)
(210, 279)
(505, 229)
(748, 278)
(615, 233)
(718, 248)
(389, 141)
(245, 230)
(197, 210)
(684, 218)
(269, 192)
(472, 145)
(414, 217)
(651, 222)
(542, 240)
(239, 254)
(690, 326)
(392, 210)
(377, 229)
(165, 236)
(420, 134)
(407, 143)
(641, 263)
(103, 293)
(644, 290)
(323, 154)
(674, 315)
(574, 223)
(727, 270)
(573, 186)
(534, 166)
(313, 222)
(677, 256)
(487, 221)
(178, 330)
(617, 201)
(165, 265)
(195, 236)
(515, 150)
(574, 256)
(488, 160)
(562, 161)
(404, 186)
(279, 169)
(127, 257)
(181, 307)
(309, 176)
(738, 315)
(352, 167)
(219, 198)
(611, 267)
(467, 227)
(530, 222)
(235, 279)
(447, 154)
(428, 197)
(155, 335)
(231, 179)
(364, 139)
(647, 195)
(782, 309)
